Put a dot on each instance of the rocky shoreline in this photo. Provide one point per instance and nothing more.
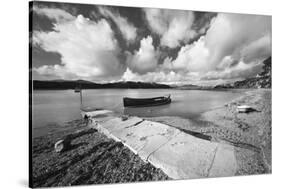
(95, 159)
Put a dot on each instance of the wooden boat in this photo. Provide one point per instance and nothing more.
(141, 102)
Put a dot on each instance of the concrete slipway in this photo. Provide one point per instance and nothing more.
(178, 154)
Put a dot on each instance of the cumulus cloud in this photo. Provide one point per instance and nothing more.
(240, 71)
(56, 14)
(190, 57)
(159, 76)
(233, 46)
(257, 49)
(162, 76)
(145, 59)
(174, 26)
(54, 71)
(128, 30)
(85, 53)
(230, 33)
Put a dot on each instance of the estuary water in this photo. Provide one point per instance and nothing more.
(59, 106)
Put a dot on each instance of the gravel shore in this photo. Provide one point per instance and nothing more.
(95, 159)
(250, 133)
(92, 159)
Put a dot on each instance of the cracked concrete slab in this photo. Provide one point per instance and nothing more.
(224, 162)
(117, 123)
(178, 154)
(185, 156)
(146, 137)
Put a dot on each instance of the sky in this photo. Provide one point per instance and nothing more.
(109, 44)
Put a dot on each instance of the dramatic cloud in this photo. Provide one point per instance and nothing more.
(174, 26)
(56, 14)
(88, 49)
(231, 38)
(230, 33)
(128, 30)
(258, 49)
(240, 71)
(145, 59)
(161, 76)
(169, 46)
(192, 57)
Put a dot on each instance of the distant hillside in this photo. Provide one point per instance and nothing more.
(188, 86)
(262, 80)
(193, 87)
(65, 84)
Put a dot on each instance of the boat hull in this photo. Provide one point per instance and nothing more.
(144, 102)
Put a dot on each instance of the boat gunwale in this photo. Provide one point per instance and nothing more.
(150, 101)
(160, 97)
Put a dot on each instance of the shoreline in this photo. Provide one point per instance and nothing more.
(222, 124)
(250, 133)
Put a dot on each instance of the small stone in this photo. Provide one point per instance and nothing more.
(124, 118)
(61, 145)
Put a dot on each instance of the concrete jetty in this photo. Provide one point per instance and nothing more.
(178, 154)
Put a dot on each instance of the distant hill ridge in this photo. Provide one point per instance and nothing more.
(262, 80)
(68, 84)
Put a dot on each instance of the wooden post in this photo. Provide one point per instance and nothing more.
(81, 104)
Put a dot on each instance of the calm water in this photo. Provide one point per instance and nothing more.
(63, 105)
